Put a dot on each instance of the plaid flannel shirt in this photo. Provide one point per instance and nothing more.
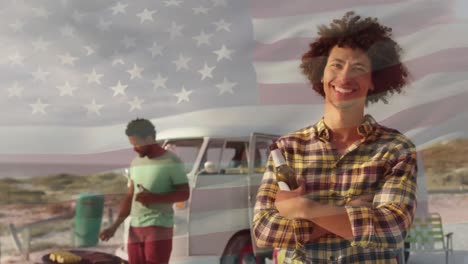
(383, 163)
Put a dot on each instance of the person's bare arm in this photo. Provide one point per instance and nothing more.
(333, 219)
(124, 212)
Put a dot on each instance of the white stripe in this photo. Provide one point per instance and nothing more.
(266, 30)
(429, 89)
(433, 39)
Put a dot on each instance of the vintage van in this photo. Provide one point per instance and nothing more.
(225, 163)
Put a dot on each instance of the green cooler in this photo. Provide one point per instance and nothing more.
(89, 208)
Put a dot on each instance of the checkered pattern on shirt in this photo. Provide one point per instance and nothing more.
(383, 163)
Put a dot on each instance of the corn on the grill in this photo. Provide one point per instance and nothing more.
(64, 257)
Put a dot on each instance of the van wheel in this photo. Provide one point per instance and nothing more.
(240, 251)
(247, 256)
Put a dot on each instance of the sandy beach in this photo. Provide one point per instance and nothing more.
(453, 207)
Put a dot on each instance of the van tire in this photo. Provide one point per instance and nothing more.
(240, 251)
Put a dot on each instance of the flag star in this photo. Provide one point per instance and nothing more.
(156, 50)
(15, 90)
(206, 72)
(77, 16)
(200, 10)
(172, 3)
(219, 2)
(66, 89)
(40, 75)
(146, 15)
(129, 42)
(41, 12)
(16, 59)
(67, 59)
(135, 72)
(183, 95)
(119, 89)
(226, 87)
(93, 107)
(203, 38)
(222, 25)
(38, 107)
(67, 31)
(135, 104)
(119, 8)
(17, 26)
(40, 45)
(94, 77)
(223, 53)
(159, 82)
(89, 50)
(175, 30)
(104, 25)
(182, 62)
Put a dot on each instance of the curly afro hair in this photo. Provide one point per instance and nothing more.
(141, 128)
(389, 75)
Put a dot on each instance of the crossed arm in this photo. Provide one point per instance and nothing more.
(379, 223)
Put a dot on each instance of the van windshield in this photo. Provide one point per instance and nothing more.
(186, 149)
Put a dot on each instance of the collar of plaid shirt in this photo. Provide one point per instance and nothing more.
(365, 129)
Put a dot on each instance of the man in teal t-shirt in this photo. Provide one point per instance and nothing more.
(157, 181)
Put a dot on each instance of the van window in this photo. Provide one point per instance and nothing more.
(186, 149)
(262, 153)
(212, 154)
(234, 159)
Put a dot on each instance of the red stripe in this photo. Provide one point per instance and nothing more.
(428, 114)
(449, 60)
(287, 93)
(273, 8)
(27, 165)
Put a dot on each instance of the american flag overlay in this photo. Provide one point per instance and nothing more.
(75, 72)
(88, 63)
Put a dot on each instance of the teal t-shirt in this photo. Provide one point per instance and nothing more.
(157, 175)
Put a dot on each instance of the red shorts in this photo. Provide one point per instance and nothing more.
(149, 245)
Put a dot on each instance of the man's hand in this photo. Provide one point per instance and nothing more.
(289, 203)
(145, 197)
(362, 201)
(318, 233)
(107, 233)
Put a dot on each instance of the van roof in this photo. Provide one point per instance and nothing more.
(224, 122)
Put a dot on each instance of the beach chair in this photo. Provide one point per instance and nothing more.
(427, 235)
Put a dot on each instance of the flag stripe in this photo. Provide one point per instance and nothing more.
(449, 60)
(425, 116)
(405, 18)
(287, 93)
(428, 40)
(270, 8)
(428, 114)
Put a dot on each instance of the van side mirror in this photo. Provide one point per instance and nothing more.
(210, 167)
